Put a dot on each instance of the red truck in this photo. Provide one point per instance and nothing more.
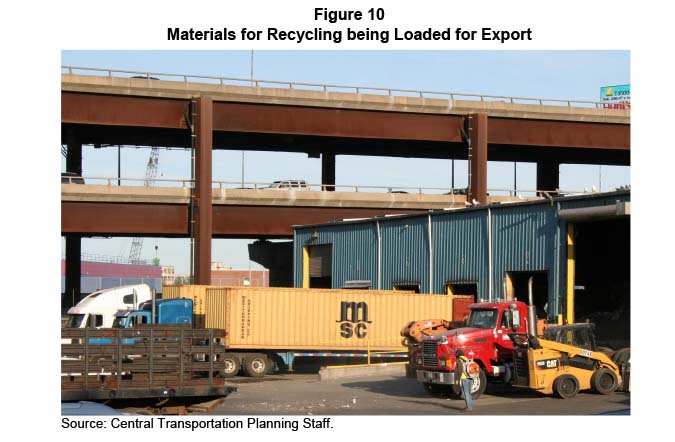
(485, 338)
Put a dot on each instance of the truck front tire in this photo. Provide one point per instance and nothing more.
(478, 386)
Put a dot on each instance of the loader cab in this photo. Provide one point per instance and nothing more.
(578, 335)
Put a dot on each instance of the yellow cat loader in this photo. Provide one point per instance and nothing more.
(567, 361)
(563, 370)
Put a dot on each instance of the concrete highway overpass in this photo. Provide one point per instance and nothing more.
(113, 108)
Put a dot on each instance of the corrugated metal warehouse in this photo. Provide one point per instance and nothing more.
(576, 247)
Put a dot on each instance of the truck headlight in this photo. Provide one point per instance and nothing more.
(443, 363)
(419, 361)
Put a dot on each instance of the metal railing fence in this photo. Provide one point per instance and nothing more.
(223, 81)
(274, 186)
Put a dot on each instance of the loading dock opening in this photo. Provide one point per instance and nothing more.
(602, 278)
(415, 286)
(462, 289)
(517, 286)
(317, 266)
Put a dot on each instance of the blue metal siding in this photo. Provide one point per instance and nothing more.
(405, 252)
(354, 253)
(460, 250)
(523, 239)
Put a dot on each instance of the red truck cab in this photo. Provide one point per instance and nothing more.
(485, 339)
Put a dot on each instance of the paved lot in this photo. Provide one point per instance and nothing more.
(305, 394)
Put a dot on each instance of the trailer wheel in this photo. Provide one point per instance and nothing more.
(256, 365)
(231, 366)
(604, 381)
(565, 386)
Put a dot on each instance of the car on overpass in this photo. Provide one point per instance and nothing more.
(71, 178)
(289, 185)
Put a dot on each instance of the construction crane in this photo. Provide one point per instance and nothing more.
(150, 174)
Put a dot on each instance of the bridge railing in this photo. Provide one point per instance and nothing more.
(325, 87)
(274, 186)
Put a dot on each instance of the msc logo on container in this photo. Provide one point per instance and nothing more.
(353, 319)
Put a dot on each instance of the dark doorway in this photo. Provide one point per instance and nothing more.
(602, 279)
(462, 289)
(321, 266)
(520, 281)
(414, 286)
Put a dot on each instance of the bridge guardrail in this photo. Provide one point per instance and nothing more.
(357, 188)
(337, 88)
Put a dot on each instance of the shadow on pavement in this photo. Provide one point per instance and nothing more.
(399, 387)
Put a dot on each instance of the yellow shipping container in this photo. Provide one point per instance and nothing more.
(197, 293)
(309, 319)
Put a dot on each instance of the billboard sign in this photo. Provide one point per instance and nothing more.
(615, 97)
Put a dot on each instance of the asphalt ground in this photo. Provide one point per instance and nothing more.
(306, 394)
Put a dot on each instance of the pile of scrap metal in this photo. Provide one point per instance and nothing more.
(415, 331)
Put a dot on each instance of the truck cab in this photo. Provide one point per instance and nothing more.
(98, 309)
(485, 339)
(167, 311)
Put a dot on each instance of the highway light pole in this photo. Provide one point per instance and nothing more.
(243, 153)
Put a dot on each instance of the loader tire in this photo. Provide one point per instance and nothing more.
(604, 381)
(607, 351)
(256, 365)
(621, 356)
(565, 386)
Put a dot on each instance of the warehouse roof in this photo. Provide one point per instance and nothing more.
(551, 201)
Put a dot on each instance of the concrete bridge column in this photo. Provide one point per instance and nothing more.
(548, 176)
(328, 171)
(478, 157)
(277, 257)
(73, 271)
(203, 203)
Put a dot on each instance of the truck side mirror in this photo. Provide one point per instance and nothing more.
(513, 317)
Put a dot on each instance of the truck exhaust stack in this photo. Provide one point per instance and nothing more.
(531, 311)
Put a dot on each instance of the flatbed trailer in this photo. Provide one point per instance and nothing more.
(155, 361)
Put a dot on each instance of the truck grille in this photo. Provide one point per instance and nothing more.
(430, 353)
(522, 373)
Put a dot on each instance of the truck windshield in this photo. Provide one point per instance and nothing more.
(483, 319)
(120, 322)
(75, 320)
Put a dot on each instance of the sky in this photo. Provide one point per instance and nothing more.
(542, 74)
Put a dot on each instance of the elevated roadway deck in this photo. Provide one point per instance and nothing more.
(184, 90)
(163, 211)
(112, 108)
